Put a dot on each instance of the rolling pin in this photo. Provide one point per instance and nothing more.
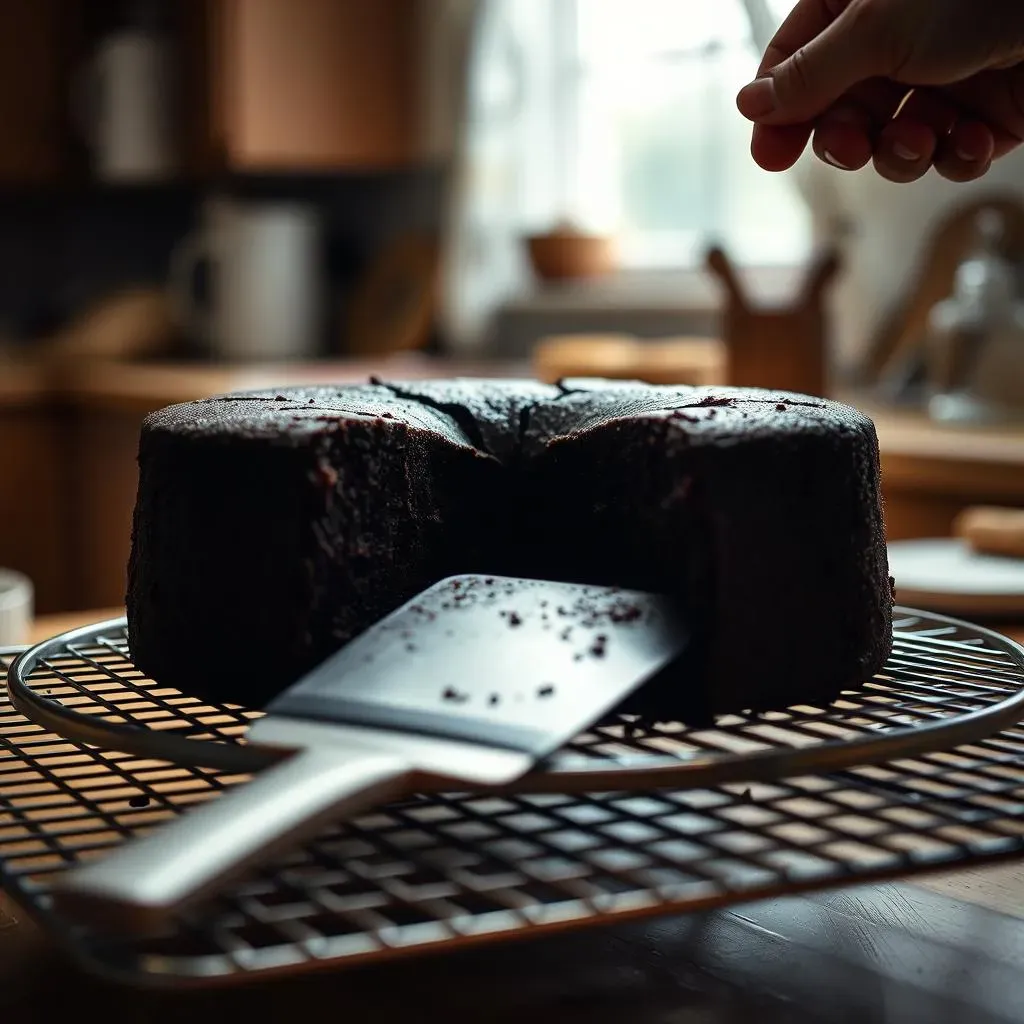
(992, 531)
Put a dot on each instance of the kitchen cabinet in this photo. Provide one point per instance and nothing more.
(305, 85)
(265, 86)
(34, 509)
(38, 40)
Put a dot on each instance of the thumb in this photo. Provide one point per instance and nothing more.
(805, 84)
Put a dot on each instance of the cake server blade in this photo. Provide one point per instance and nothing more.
(468, 685)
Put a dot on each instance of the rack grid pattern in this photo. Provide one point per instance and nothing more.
(442, 870)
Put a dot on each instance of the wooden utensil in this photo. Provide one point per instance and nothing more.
(395, 305)
(992, 530)
(133, 324)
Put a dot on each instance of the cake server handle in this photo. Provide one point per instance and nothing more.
(138, 887)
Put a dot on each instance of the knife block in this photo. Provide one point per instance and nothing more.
(783, 346)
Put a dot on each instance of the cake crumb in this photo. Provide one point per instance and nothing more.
(627, 613)
(687, 417)
(454, 695)
(546, 690)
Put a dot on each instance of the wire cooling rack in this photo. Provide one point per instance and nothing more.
(439, 871)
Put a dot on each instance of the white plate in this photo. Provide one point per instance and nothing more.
(945, 575)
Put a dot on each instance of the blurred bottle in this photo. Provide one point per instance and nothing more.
(976, 343)
(124, 99)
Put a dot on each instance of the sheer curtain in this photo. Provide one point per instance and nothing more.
(498, 186)
(617, 114)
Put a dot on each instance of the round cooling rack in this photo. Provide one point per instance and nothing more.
(946, 683)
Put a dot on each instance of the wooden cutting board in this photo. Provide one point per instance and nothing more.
(618, 357)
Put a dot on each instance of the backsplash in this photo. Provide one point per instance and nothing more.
(62, 249)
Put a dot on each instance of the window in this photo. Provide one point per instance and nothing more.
(647, 140)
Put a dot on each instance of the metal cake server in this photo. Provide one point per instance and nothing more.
(468, 685)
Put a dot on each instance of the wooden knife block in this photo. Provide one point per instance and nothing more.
(781, 347)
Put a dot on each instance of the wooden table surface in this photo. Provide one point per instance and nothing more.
(947, 948)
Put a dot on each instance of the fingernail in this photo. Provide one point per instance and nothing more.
(965, 156)
(836, 163)
(905, 152)
(757, 99)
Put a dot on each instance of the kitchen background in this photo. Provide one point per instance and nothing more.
(202, 195)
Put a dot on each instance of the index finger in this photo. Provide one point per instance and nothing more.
(807, 20)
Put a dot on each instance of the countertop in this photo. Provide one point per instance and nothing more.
(65, 427)
(915, 451)
(144, 386)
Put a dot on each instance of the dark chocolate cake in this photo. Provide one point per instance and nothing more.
(272, 527)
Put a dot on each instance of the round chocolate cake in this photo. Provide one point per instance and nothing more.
(272, 527)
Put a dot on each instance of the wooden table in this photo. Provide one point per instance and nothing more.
(948, 948)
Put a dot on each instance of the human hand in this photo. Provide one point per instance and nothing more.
(909, 84)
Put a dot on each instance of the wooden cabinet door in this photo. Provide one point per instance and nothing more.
(37, 40)
(313, 84)
(35, 500)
